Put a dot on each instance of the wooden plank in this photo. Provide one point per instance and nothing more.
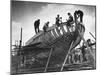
(31, 40)
(58, 31)
(38, 37)
(55, 34)
(48, 60)
(51, 28)
(47, 38)
(92, 35)
(67, 28)
(36, 40)
(63, 30)
(66, 57)
(52, 34)
(51, 37)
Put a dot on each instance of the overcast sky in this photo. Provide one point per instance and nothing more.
(24, 14)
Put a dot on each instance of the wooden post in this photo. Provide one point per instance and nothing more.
(48, 60)
(92, 35)
(66, 57)
(20, 45)
(21, 38)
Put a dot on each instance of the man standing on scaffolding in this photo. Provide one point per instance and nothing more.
(45, 27)
(58, 20)
(36, 25)
(70, 19)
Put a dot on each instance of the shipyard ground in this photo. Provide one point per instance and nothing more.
(67, 67)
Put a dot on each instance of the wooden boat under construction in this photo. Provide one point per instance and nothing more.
(53, 44)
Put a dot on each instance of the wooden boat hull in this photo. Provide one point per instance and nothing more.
(60, 47)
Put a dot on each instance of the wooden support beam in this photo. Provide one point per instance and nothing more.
(53, 34)
(66, 56)
(46, 38)
(50, 35)
(92, 35)
(67, 28)
(48, 60)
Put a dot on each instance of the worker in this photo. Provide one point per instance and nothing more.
(70, 19)
(90, 44)
(77, 56)
(89, 41)
(58, 20)
(36, 25)
(46, 26)
(70, 57)
(84, 52)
